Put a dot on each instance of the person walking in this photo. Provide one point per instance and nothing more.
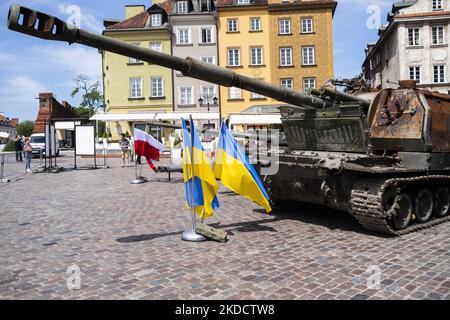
(27, 150)
(18, 147)
(125, 146)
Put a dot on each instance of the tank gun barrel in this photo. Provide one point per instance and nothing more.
(334, 94)
(47, 27)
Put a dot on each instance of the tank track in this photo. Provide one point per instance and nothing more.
(367, 207)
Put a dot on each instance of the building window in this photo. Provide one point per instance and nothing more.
(156, 20)
(235, 93)
(438, 34)
(182, 7)
(309, 83)
(439, 73)
(414, 36)
(255, 24)
(234, 57)
(133, 60)
(243, 1)
(438, 5)
(206, 35)
(157, 46)
(184, 36)
(256, 56)
(186, 95)
(285, 56)
(257, 96)
(232, 25)
(208, 93)
(307, 25)
(208, 60)
(287, 83)
(136, 88)
(157, 87)
(284, 26)
(308, 56)
(414, 74)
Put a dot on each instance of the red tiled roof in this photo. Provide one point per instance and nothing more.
(167, 5)
(137, 22)
(422, 14)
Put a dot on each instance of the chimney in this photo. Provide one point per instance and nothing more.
(133, 10)
(66, 104)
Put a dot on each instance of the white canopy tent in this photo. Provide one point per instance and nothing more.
(254, 119)
(154, 116)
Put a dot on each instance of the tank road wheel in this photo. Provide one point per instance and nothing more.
(441, 208)
(423, 205)
(402, 212)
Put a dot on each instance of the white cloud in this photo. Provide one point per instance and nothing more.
(21, 90)
(72, 60)
(85, 18)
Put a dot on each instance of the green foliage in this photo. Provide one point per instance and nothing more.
(25, 128)
(127, 134)
(91, 94)
(10, 146)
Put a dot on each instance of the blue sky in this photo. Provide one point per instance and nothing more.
(29, 65)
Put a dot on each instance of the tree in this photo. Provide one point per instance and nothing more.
(92, 99)
(25, 128)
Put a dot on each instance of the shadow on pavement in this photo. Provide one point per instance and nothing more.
(306, 213)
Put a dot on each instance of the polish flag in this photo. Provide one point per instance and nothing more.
(147, 146)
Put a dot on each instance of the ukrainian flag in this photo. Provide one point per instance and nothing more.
(233, 168)
(205, 184)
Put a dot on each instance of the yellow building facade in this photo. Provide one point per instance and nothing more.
(243, 33)
(132, 86)
(296, 44)
(302, 33)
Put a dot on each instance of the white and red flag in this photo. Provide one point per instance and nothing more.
(147, 146)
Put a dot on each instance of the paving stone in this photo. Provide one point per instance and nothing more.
(126, 241)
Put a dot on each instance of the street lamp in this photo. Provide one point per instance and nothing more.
(208, 99)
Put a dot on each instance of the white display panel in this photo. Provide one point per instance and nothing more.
(85, 140)
(66, 125)
(50, 140)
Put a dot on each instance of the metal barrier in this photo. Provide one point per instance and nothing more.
(10, 168)
(3, 159)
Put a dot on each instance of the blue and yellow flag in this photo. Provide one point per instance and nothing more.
(235, 171)
(205, 184)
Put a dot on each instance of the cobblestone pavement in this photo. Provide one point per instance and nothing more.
(125, 239)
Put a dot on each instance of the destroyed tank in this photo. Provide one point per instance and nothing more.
(386, 162)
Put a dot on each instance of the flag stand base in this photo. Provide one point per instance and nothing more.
(192, 236)
(137, 181)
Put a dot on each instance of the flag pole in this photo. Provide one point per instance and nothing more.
(192, 235)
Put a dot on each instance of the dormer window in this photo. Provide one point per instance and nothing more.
(438, 5)
(156, 20)
(182, 7)
(243, 1)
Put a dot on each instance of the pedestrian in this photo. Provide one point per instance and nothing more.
(125, 146)
(27, 150)
(18, 147)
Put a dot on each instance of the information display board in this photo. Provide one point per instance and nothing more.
(50, 141)
(85, 140)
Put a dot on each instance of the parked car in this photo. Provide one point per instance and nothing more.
(37, 142)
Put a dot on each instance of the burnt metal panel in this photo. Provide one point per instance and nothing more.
(397, 122)
(326, 134)
(440, 122)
